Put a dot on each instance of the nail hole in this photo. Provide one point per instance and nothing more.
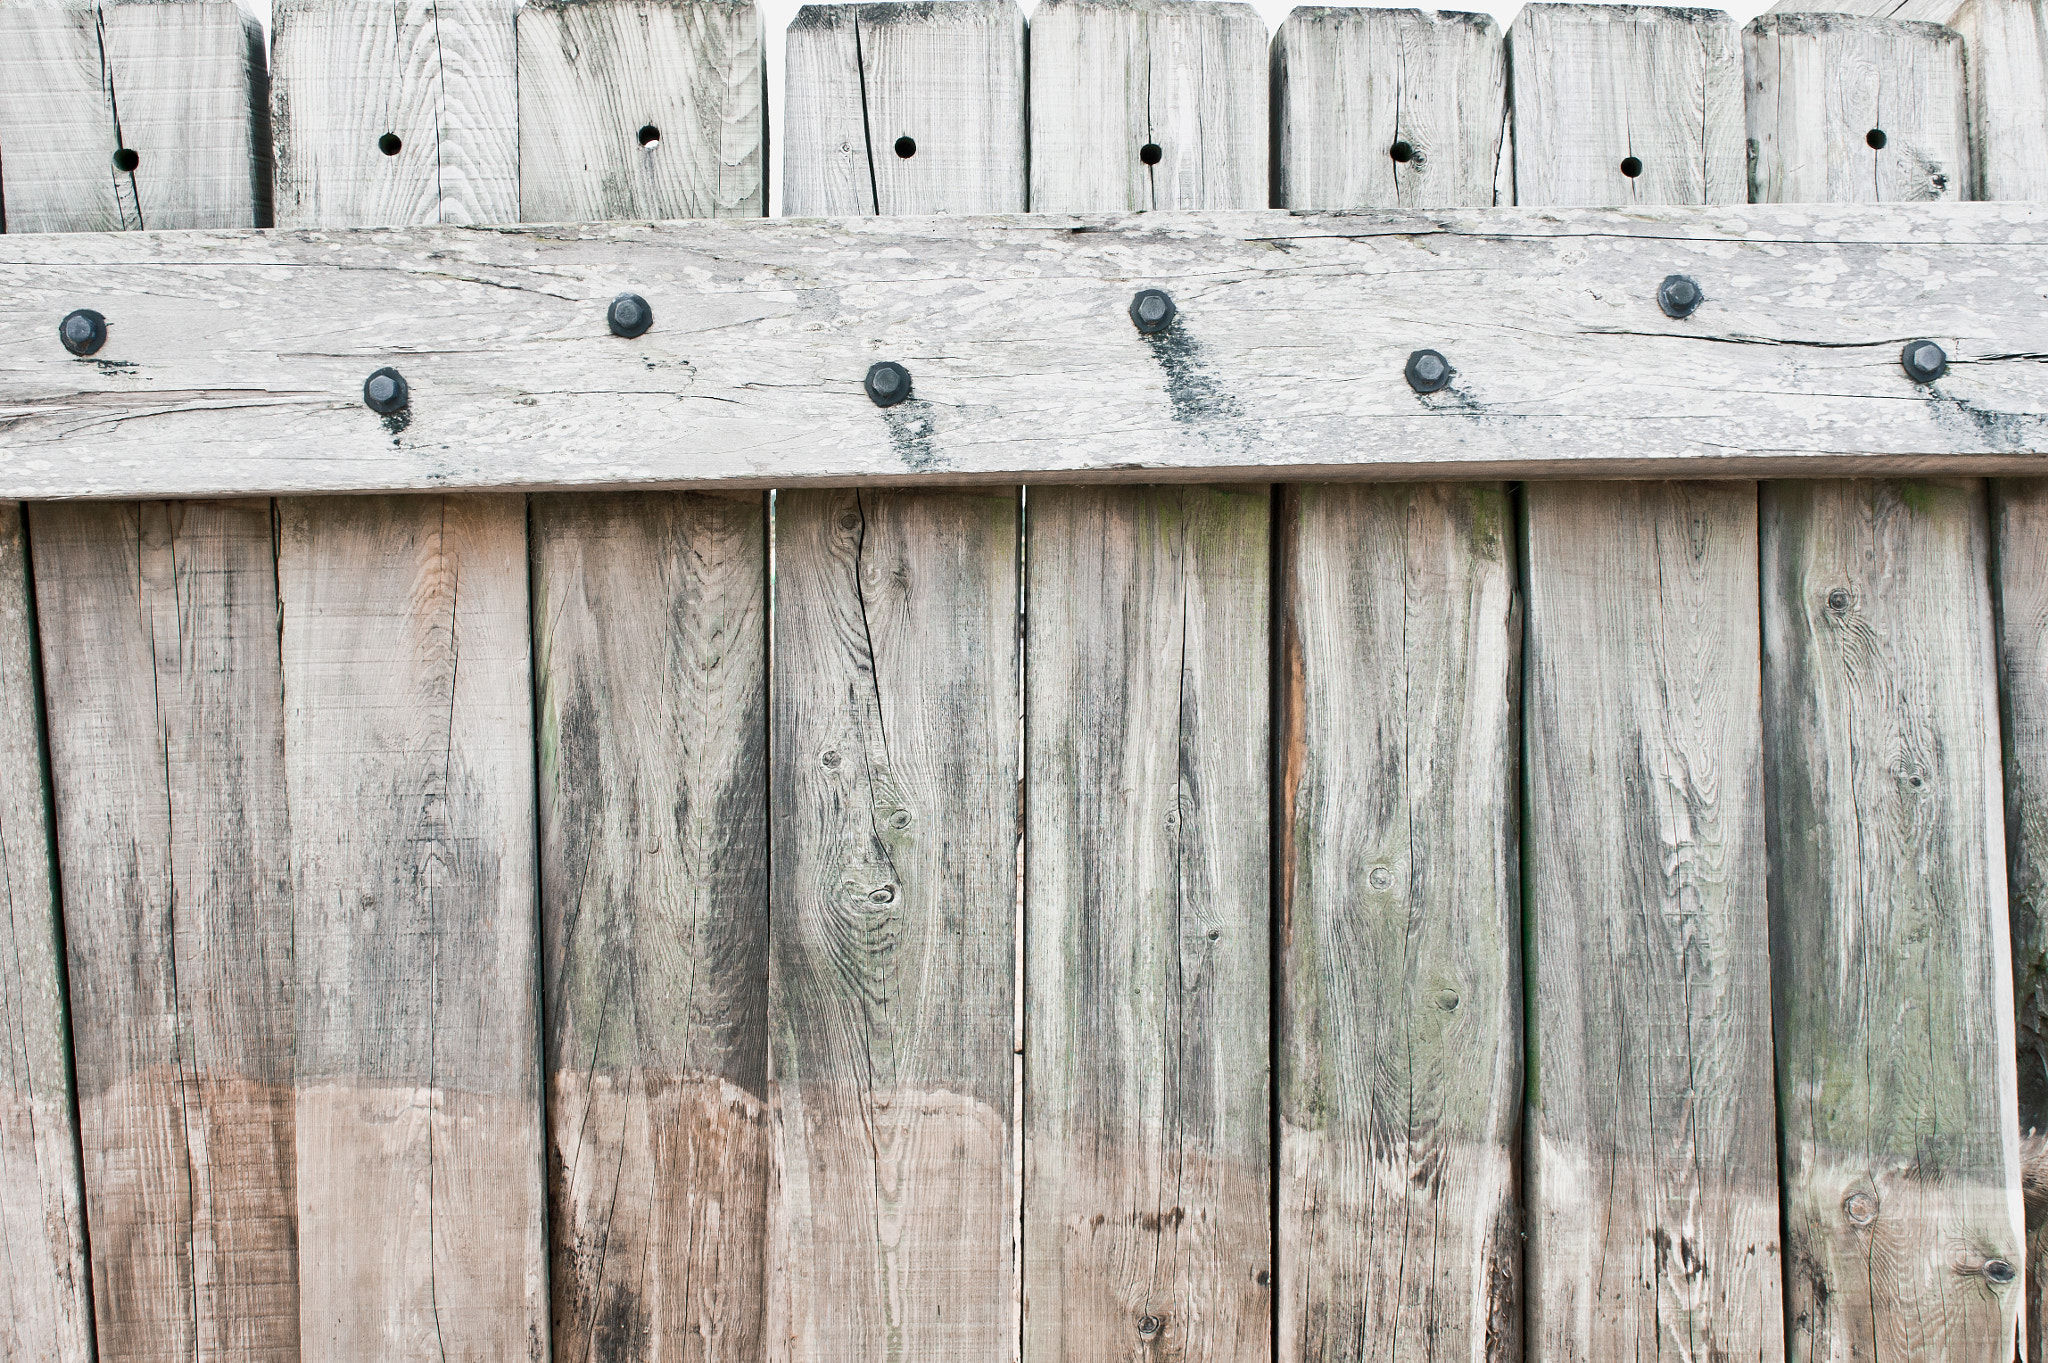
(906, 147)
(389, 144)
(650, 136)
(1631, 167)
(1402, 152)
(1150, 153)
(126, 159)
(1876, 138)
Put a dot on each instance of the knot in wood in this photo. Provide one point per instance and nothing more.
(1148, 1326)
(1860, 1207)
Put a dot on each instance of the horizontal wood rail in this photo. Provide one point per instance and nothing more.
(235, 362)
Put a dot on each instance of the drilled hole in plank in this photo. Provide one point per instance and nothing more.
(1631, 167)
(650, 136)
(389, 144)
(126, 159)
(906, 147)
(1876, 138)
(1150, 153)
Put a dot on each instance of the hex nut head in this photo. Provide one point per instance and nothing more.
(1679, 296)
(385, 392)
(629, 316)
(1924, 361)
(888, 383)
(1152, 311)
(83, 331)
(1429, 372)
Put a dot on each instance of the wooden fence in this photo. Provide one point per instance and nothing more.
(1152, 913)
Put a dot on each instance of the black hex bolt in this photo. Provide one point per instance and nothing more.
(629, 316)
(384, 392)
(1428, 372)
(1924, 361)
(1679, 296)
(1152, 311)
(1999, 1271)
(83, 332)
(888, 383)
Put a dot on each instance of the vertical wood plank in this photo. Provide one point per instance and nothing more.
(42, 1219)
(895, 881)
(1893, 983)
(409, 771)
(160, 654)
(1148, 1172)
(905, 109)
(1387, 108)
(394, 112)
(1113, 82)
(1399, 922)
(640, 109)
(1850, 110)
(1651, 1174)
(2006, 47)
(180, 88)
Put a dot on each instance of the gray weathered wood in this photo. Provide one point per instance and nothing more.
(1400, 1047)
(1851, 110)
(1920, 11)
(42, 1220)
(181, 86)
(1110, 78)
(2006, 43)
(1349, 84)
(891, 987)
(640, 109)
(1017, 333)
(948, 75)
(1652, 1146)
(440, 76)
(409, 772)
(166, 728)
(1595, 85)
(1888, 923)
(650, 644)
(1148, 1172)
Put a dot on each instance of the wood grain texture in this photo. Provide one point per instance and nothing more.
(2006, 44)
(640, 109)
(409, 771)
(891, 988)
(1386, 107)
(650, 638)
(159, 637)
(1823, 88)
(48, 1302)
(1597, 85)
(1892, 975)
(948, 75)
(1147, 1159)
(180, 86)
(1018, 335)
(439, 76)
(1399, 927)
(1652, 1143)
(1921, 11)
(1110, 78)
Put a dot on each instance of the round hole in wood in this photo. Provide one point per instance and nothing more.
(906, 147)
(126, 159)
(1631, 167)
(389, 144)
(1402, 152)
(1876, 138)
(650, 136)
(1150, 153)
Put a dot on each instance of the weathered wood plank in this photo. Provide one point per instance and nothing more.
(1148, 104)
(1400, 1080)
(2006, 46)
(895, 108)
(1652, 1144)
(650, 637)
(394, 112)
(1600, 90)
(1893, 979)
(42, 1219)
(640, 109)
(891, 988)
(133, 116)
(1017, 332)
(1385, 107)
(1851, 110)
(1920, 11)
(409, 772)
(1148, 1168)
(166, 729)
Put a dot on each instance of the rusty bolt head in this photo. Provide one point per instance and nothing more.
(1924, 361)
(83, 332)
(1679, 296)
(629, 316)
(384, 392)
(888, 383)
(1152, 311)
(1428, 372)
